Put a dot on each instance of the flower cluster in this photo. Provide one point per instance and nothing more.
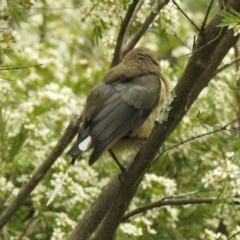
(169, 185)
(225, 172)
(210, 235)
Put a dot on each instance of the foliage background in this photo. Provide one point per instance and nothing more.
(74, 40)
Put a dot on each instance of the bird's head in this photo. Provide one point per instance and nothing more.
(140, 56)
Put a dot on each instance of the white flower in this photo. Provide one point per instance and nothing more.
(210, 235)
(57, 234)
(131, 229)
(226, 171)
(169, 185)
(62, 220)
(235, 27)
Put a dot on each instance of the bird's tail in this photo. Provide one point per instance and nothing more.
(80, 146)
(74, 152)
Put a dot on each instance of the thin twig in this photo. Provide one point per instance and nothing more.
(206, 17)
(218, 127)
(220, 69)
(183, 42)
(209, 124)
(213, 40)
(20, 67)
(37, 176)
(134, 40)
(215, 130)
(15, 68)
(132, 19)
(27, 227)
(234, 235)
(188, 140)
(186, 16)
(8, 79)
(173, 202)
(187, 194)
(233, 130)
(122, 32)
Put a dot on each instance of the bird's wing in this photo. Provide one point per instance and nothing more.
(125, 106)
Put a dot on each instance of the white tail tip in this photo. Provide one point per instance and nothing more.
(85, 144)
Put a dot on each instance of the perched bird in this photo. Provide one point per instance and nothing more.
(120, 111)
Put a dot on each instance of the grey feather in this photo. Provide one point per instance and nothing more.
(119, 105)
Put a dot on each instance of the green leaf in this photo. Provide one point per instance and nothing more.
(231, 17)
(12, 55)
(18, 12)
(17, 142)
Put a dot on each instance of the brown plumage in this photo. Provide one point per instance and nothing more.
(120, 111)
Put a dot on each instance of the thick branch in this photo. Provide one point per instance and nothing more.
(25, 191)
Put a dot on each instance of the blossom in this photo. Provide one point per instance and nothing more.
(235, 27)
(130, 229)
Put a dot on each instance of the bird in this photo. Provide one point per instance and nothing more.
(120, 111)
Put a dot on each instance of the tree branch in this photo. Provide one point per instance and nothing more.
(215, 130)
(138, 7)
(186, 16)
(173, 202)
(134, 40)
(25, 191)
(122, 32)
(206, 17)
(220, 69)
(2, 68)
(234, 235)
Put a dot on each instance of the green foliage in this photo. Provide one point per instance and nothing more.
(18, 11)
(229, 18)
